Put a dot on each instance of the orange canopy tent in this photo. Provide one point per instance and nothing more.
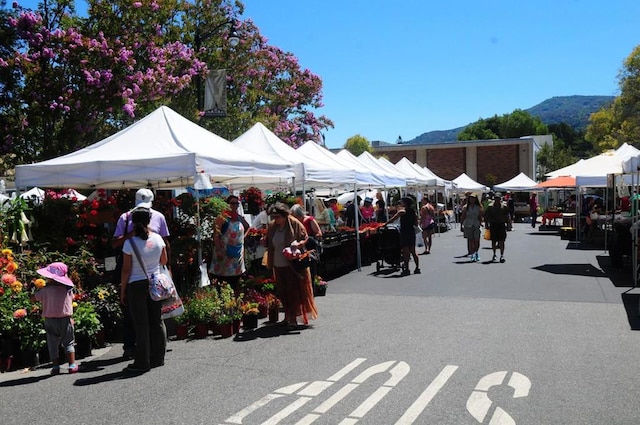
(558, 182)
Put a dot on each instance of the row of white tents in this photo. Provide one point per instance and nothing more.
(166, 150)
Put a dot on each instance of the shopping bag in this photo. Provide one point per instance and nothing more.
(204, 276)
(161, 285)
(172, 307)
(487, 234)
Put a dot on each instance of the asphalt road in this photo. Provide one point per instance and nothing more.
(545, 338)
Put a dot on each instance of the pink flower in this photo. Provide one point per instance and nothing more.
(8, 278)
(20, 313)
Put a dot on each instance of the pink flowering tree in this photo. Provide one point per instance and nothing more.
(76, 80)
(68, 81)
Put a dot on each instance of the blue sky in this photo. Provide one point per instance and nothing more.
(403, 68)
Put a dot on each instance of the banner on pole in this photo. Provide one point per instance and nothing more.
(215, 94)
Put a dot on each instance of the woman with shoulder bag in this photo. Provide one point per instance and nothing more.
(143, 255)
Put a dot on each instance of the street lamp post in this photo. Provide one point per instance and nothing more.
(233, 40)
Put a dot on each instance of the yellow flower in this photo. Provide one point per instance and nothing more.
(16, 286)
(74, 304)
(7, 251)
(40, 283)
(101, 295)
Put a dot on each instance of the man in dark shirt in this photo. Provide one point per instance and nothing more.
(497, 218)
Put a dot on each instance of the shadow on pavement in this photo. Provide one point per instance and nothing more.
(24, 381)
(572, 269)
(630, 302)
(620, 277)
(268, 331)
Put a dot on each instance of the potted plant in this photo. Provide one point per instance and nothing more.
(319, 286)
(229, 310)
(200, 309)
(86, 325)
(250, 315)
(106, 301)
(182, 326)
(252, 197)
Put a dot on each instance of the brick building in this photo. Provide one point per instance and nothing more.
(487, 161)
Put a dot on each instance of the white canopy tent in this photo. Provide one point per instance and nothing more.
(324, 156)
(392, 168)
(466, 183)
(422, 178)
(259, 140)
(369, 161)
(163, 149)
(35, 194)
(521, 182)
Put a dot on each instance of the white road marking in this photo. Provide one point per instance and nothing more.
(282, 414)
(427, 395)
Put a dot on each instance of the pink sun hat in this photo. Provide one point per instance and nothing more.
(58, 272)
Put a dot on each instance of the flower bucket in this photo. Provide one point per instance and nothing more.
(201, 330)
(182, 331)
(226, 330)
(264, 311)
(274, 312)
(249, 321)
(320, 291)
(236, 326)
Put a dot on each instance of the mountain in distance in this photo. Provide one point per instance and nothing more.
(572, 110)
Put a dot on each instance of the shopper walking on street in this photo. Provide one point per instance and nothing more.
(472, 220)
(533, 209)
(408, 222)
(497, 219)
(428, 224)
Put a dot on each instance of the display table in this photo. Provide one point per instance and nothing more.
(569, 220)
(550, 215)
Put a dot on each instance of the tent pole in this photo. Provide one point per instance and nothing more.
(357, 224)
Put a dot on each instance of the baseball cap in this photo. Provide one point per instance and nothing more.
(144, 198)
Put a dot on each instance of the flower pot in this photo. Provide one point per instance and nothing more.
(236, 326)
(182, 331)
(263, 311)
(249, 321)
(320, 291)
(274, 312)
(215, 328)
(226, 330)
(83, 346)
(201, 330)
(100, 338)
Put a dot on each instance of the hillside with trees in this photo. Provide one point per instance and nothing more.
(572, 110)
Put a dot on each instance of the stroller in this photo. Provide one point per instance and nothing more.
(389, 250)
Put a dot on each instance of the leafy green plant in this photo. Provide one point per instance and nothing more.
(86, 320)
(202, 306)
(106, 301)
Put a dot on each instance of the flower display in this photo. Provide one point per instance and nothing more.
(252, 195)
(318, 281)
(20, 313)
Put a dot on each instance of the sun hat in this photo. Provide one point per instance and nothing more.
(56, 271)
(144, 198)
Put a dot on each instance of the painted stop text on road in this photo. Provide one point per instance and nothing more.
(326, 394)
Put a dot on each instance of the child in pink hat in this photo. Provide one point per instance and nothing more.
(56, 298)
